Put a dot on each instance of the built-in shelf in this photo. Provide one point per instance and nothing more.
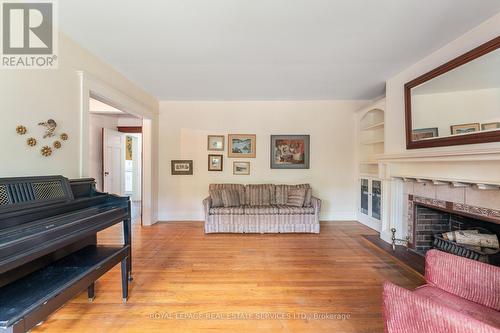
(371, 134)
(373, 127)
(368, 174)
(373, 142)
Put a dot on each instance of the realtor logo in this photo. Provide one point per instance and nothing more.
(28, 35)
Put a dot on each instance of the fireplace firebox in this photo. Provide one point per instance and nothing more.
(429, 219)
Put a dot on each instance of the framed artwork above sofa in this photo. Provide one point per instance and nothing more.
(290, 151)
(241, 145)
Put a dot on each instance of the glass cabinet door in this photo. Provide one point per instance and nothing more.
(376, 198)
(364, 196)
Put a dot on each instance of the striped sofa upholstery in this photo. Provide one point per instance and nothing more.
(461, 295)
(264, 210)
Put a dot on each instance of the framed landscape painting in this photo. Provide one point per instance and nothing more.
(241, 145)
(289, 151)
(425, 133)
(182, 167)
(241, 168)
(464, 128)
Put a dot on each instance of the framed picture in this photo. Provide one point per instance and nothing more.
(215, 162)
(425, 133)
(241, 168)
(241, 145)
(215, 142)
(490, 126)
(464, 128)
(289, 151)
(128, 148)
(182, 167)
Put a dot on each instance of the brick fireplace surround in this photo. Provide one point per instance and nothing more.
(428, 211)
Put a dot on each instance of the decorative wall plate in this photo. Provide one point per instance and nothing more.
(21, 130)
(46, 151)
(31, 142)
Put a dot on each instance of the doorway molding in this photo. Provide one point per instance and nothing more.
(130, 129)
(91, 86)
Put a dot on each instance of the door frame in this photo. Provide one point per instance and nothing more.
(95, 88)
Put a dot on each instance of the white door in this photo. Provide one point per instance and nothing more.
(113, 151)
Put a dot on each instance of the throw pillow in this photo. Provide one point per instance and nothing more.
(307, 200)
(230, 198)
(296, 197)
(216, 196)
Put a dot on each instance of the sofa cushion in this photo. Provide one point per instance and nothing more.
(281, 193)
(216, 196)
(259, 195)
(291, 210)
(307, 199)
(262, 210)
(296, 197)
(459, 304)
(227, 210)
(231, 198)
(238, 187)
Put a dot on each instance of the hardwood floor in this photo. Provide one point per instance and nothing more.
(186, 281)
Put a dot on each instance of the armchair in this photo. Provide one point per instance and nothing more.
(461, 295)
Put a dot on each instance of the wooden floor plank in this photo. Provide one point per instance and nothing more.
(186, 281)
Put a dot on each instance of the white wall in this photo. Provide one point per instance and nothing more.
(395, 130)
(184, 127)
(30, 96)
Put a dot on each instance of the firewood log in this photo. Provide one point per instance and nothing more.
(475, 239)
(451, 235)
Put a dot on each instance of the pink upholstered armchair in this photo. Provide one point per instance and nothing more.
(461, 295)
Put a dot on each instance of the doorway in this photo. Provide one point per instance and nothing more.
(116, 153)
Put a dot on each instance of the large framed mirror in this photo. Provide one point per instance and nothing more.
(457, 103)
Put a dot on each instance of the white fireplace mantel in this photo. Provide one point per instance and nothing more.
(478, 169)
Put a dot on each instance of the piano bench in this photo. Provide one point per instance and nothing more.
(26, 302)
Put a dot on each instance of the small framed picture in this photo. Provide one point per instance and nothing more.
(182, 167)
(490, 126)
(215, 162)
(464, 128)
(425, 133)
(215, 142)
(241, 168)
(241, 145)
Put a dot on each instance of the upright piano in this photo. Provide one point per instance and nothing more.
(48, 245)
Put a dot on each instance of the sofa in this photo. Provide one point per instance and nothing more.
(461, 295)
(262, 208)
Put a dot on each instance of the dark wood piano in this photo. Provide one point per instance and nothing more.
(48, 246)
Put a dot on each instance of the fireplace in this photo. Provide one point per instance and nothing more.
(429, 217)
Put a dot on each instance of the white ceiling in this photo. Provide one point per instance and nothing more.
(267, 49)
